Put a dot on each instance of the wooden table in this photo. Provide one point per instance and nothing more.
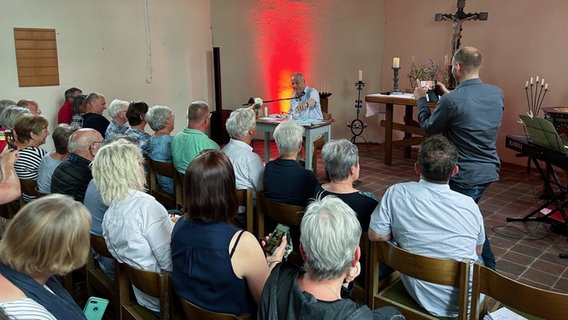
(313, 130)
(409, 126)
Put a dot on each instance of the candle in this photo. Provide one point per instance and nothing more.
(360, 75)
(537, 79)
(527, 84)
(546, 86)
(542, 82)
(532, 81)
(396, 62)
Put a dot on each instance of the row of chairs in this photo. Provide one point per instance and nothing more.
(529, 301)
(123, 304)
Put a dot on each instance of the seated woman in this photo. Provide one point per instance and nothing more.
(79, 109)
(136, 114)
(341, 162)
(137, 228)
(49, 236)
(330, 248)
(215, 265)
(161, 119)
(49, 162)
(31, 132)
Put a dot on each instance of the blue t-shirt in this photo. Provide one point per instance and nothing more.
(161, 150)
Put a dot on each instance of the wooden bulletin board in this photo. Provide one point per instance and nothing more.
(36, 57)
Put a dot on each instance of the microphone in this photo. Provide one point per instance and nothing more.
(300, 96)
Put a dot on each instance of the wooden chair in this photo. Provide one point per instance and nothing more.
(289, 215)
(435, 270)
(98, 282)
(29, 187)
(528, 301)
(191, 311)
(244, 198)
(154, 284)
(165, 169)
(362, 282)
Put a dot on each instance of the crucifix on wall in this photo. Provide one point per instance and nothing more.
(457, 19)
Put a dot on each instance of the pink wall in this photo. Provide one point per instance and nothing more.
(520, 39)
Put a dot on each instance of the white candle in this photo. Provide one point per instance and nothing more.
(527, 85)
(546, 86)
(542, 82)
(360, 75)
(532, 81)
(537, 79)
(396, 62)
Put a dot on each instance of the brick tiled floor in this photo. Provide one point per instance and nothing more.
(526, 251)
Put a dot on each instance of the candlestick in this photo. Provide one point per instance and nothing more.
(395, 88)
(357, 126)
(360, 78)
(396, 62)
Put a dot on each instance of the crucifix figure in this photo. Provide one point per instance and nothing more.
(457, 19)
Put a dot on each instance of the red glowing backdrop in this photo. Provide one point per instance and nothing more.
(284, 44)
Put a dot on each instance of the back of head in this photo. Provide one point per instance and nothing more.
(70, 93)
(11, 114)
(136, 111)
(27, 124)
(60, 137)
(6, 103)
(330, 233)
(117, 106)
(79, 104)
(240, 122)
(81, 140)
(112, 183)
(91, 98)
(157, 116)
(288, 136)
(48, 235)
(210, 189)
(469, 57)
(196, 112)
(338, 157)
(437, 159)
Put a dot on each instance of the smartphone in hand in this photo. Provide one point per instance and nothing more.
(95, 308)
(276, 238)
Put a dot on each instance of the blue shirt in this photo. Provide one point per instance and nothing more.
(161, 150)
(470, 117)
(313, 112)
(115, 128)
(142, 137)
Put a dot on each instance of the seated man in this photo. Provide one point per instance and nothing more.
(248, 166)
(187, 144)
(65, 113)
(285, 180)
(95, 105)
(329, 245)
(72, 176)
(428, 218)
(31, 105)
(51, 160)
(306, 102)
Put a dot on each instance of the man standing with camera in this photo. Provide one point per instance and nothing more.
(470, 117)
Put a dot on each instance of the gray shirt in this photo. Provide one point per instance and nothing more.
(44, 173)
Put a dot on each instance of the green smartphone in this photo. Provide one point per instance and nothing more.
(95, 308)
(276, 238)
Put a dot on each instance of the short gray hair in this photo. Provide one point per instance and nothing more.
(330, 234)
(117, 106)
(10, 114)
(157, 116)
(197, 111)
(338, 157)
(288, 136)
(239, 122)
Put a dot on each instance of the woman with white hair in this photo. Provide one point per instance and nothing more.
(161, 119)
(285, 180)
(137, 228)
(329, 245)
(117, 111)
(49, 236)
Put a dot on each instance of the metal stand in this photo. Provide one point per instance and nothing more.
(395, 88)
(357, 126)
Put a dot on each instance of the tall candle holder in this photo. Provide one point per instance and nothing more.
(395, 88)
(357, 126)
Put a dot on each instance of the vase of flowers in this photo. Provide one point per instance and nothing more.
(430, 71)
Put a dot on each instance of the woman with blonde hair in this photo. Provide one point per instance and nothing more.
(49, 236)
(136, 227)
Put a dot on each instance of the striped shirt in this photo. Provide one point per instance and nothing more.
(27, 165)
(26, 309)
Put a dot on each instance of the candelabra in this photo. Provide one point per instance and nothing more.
(357, 126)
(395, 88)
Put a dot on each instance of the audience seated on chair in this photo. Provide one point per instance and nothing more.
(285, 180)
(137, 228)
(79, 108)
(161, 119)
(330, 247)
(10, 114)
(31, 254)
(215, 265)
(248, 166)
(136, 114)
(117, 112)
(50, 161)
(72, 176)
(31, 132)
(95, 105)
(192, 140)
(427, 218)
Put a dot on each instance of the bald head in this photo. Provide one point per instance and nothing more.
(298, 83)
(85, 143)
(30, 105)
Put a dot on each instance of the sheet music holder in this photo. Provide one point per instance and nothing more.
(542, 132)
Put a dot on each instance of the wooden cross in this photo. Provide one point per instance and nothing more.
(457, 19)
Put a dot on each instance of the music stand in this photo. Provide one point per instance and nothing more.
(542, 132)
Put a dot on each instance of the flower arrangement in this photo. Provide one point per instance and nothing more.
(430, 71)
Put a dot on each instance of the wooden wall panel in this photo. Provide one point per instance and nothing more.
(36, 57)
